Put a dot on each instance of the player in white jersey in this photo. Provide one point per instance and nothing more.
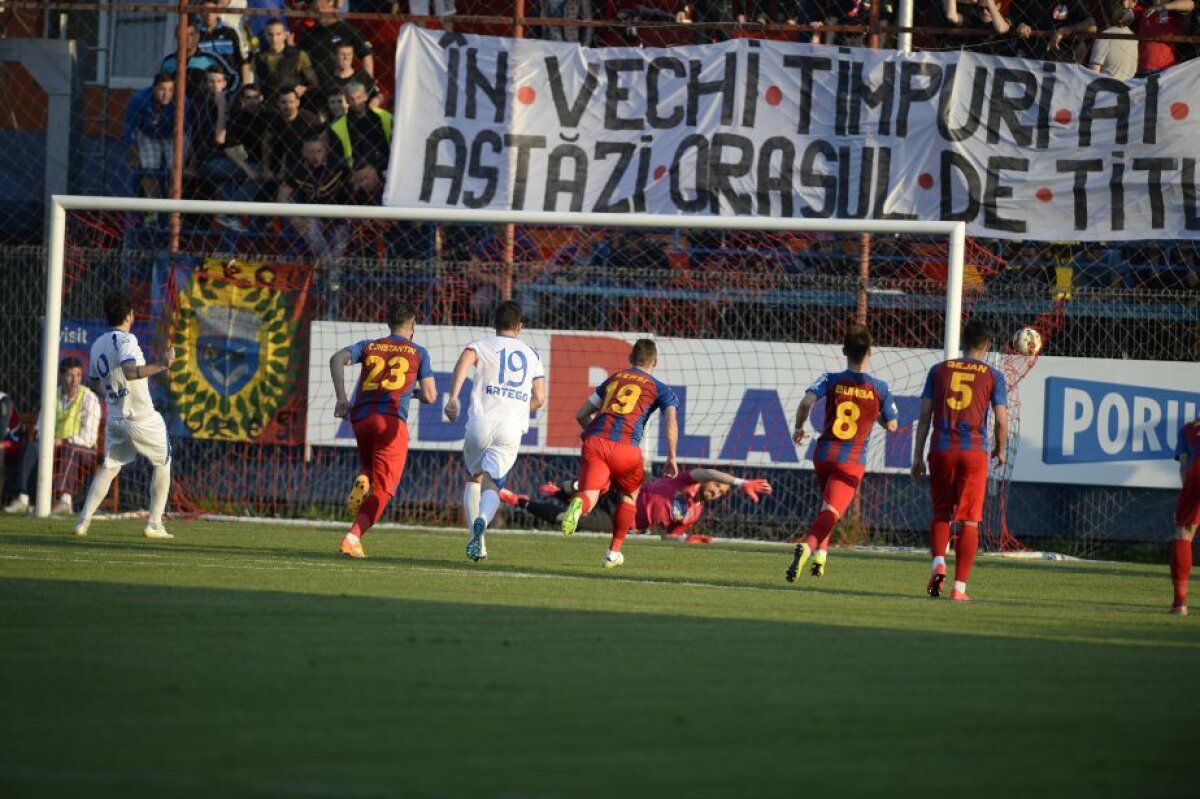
(133, 425)
(509, 384)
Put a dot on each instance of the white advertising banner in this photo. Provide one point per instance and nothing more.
(1079, 423)
(1015, 148)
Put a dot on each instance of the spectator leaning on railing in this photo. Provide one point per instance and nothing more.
(439, 8)
(565, 10)
(150, 132)
(1117, 58)
(974, 15)
(1063, 18)
(1160, 19)
(76, 427)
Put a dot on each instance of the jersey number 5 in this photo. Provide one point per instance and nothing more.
(624, 397)
(397, 369)
(960, 384)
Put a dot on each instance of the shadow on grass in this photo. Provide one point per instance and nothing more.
(125, 689)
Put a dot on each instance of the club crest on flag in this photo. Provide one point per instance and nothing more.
(235, 327)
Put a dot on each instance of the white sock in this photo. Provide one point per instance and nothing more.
(65, 499)
(489, 503)
(959, 585)
(160, 487)
(97, 491)
(352, 538)
(940, 560)
(471, 502)
(23, 499)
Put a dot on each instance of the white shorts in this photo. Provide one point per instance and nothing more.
(491, 448)
(441, 8)
(124, 439)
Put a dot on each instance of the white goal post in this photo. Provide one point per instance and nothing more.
(955, 232)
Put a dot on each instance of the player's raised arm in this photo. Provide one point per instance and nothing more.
(923, 423)
(134, 371)
(753, 487)
(337, 371)
(803, 411)
(465, 362)
(537, 396)
(671, 428)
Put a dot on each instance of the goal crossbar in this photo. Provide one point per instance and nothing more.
(955, 232)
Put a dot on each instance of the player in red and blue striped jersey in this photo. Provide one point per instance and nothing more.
(958, 396)
(854, 401)
(394, 370)
(1187, 512)
(613, 420)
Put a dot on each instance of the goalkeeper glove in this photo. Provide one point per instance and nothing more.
(754, 487)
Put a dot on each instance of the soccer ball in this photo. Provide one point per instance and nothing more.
(1027, 341)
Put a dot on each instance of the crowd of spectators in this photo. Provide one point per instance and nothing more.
(288, 108)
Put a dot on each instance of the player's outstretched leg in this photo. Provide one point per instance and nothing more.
(358, 494)
(818, 562)
(939, 540)
(819, 535)
(370, 513)
(160, 487)
(570, 519)
(1181, 569)
(623, 519)
(97, 491)
(799, 557)
(964, 558)
(477, 546)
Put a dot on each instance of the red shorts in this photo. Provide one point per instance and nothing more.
(382, 450)
(1187, 508)
(839, 482)
(958, 482)
(615, 461)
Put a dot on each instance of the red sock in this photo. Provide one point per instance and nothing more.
(369, 513)
(623, 519)
(964, 551)
(821, 529)
(1181, 568)
(939, 538)
(587, 503)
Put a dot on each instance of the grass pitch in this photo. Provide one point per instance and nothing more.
(249, 660)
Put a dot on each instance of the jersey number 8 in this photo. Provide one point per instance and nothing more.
(845, 421)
